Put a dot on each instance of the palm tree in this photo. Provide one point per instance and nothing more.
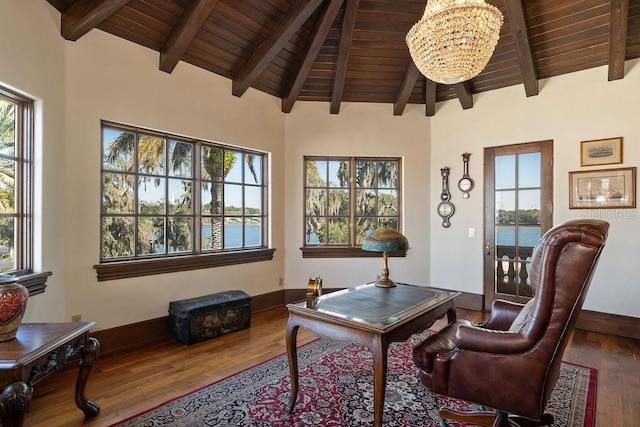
(7, 146)
(7, 170)
(216, 164)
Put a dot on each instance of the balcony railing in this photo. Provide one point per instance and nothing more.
(512, 272)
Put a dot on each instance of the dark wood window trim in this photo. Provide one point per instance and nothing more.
(24, 173)
(148, 267)
(34, 282)
(143, 264)
(344, 252)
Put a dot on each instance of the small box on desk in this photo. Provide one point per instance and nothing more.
(198, 319)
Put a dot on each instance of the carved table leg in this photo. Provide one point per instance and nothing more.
(292, 355)
(14, 402)
(89, 354)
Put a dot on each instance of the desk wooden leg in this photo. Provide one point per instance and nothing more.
(451, 314)
(379, 349)
(14, 402)
(89, 354)
(292, 355)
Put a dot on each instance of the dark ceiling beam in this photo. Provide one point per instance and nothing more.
(618, 17)
(522, 42)
(320, 32)
(409, 79)
(192, 19)
(463, 91)
(84, 15)
(346, 36)
(430, 96)
(295, 17)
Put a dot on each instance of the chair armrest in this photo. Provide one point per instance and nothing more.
(503, 313)
(475, 338)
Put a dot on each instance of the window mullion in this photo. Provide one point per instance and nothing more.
(196, 214)
(352, 202)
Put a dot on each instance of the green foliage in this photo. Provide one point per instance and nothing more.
(117, 237)
(163, 228)
(376, 185)
(525, 216)
(7, 172)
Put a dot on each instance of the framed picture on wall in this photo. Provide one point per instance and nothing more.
(601, 152)
(603, 189)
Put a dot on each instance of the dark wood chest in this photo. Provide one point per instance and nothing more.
(197, 319)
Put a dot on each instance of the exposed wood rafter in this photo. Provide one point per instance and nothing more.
(84, 15)
(518, 23)
(430, 96)
(409, 79)
(320, 33)
(192, 19)
(295, 17)
(346, 37)
(465, 96)
(333, 51)
(618, 18)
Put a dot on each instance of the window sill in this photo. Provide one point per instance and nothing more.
(34, 282)
(344, 252)
(148, 267)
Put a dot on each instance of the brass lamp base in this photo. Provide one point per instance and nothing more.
(384, 281)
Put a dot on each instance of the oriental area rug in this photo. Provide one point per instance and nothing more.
(336, 389)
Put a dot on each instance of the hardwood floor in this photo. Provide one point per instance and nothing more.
(130, 382)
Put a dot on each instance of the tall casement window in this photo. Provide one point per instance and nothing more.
(16, 190)
(183, 202)
(346, 198)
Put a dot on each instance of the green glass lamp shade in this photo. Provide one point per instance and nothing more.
(385, 240)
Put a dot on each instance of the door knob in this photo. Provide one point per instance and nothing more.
(488, 246)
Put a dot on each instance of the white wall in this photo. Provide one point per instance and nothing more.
(359, 130)
(103, 77)
(76, 84)
(569, 109)
(110, 78)
(32, 62)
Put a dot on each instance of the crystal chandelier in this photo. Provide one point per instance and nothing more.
(455, 39)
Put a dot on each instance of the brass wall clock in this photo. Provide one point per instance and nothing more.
(445, 207)
(466, 183)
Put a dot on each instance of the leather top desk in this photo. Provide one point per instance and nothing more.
(38, 350)
(372, 316)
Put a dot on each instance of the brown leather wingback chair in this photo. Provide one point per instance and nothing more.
(511, 363)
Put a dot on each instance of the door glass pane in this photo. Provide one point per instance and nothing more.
(529, 170)
(505, 207)
(529, 207)
(527, 238)
(517, 220)
(505, 172)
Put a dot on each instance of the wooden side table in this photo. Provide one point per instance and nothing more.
(38, 350)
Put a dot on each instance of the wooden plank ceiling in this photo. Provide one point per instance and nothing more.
(338, 51)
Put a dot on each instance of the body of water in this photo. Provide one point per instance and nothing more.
(233, 235)
(506, 236)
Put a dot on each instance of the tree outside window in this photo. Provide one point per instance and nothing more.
(15, 184)
(347, 198)
(165, 196)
